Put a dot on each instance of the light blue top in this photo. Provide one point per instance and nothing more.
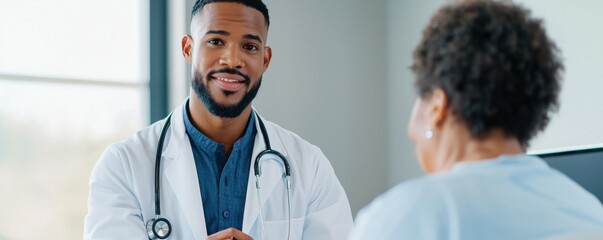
(510, 197)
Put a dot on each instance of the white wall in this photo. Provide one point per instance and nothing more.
(576, 28)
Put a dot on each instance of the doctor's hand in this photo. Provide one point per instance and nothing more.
(229, 234)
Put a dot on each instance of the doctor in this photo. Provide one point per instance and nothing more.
(206, 176)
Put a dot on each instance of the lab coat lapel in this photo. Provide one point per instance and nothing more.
(271, 176)
(181, 175)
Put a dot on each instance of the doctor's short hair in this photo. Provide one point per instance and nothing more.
(496, 65)
(256, 4)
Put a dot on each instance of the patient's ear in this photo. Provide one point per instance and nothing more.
(438, 109)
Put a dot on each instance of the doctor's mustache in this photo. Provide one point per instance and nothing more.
(211, 73)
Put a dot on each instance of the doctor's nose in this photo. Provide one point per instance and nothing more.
(231, 58)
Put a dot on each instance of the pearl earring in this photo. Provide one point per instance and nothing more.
(428, 133)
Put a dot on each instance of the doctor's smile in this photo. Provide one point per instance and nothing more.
(229, 79)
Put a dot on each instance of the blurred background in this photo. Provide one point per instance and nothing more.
(77, 75)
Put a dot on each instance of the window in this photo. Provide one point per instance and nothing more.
(73, 79)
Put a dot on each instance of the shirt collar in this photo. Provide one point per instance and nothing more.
(502, 160)
(208, 145)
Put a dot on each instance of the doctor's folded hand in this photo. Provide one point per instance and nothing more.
(229, 234)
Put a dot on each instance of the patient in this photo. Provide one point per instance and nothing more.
(488, 80)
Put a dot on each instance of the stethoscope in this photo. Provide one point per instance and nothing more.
(161, 228)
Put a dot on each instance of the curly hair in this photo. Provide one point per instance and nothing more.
(495, 64)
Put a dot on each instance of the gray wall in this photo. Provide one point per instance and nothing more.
(405, 21)
(327, 82)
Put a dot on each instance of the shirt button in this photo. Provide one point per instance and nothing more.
(225, 214)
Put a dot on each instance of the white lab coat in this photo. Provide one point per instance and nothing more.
(121, 198)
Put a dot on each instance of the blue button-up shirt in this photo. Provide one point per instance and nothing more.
(222, 178)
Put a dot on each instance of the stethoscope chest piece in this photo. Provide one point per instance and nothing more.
(159, 228)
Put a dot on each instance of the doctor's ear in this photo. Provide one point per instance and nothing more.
(267, 56)
(187, 48)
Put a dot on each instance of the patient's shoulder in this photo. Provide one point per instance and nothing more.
(406, 198)
(413, 208)
(415, 190)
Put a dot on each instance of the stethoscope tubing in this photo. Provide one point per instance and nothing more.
(164, 129)
(256, 167)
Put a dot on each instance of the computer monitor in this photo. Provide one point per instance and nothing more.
(582, 164)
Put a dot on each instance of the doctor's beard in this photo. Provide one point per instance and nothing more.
(221, 110)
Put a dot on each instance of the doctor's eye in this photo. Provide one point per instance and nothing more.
(215, 41)
(250, 47)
